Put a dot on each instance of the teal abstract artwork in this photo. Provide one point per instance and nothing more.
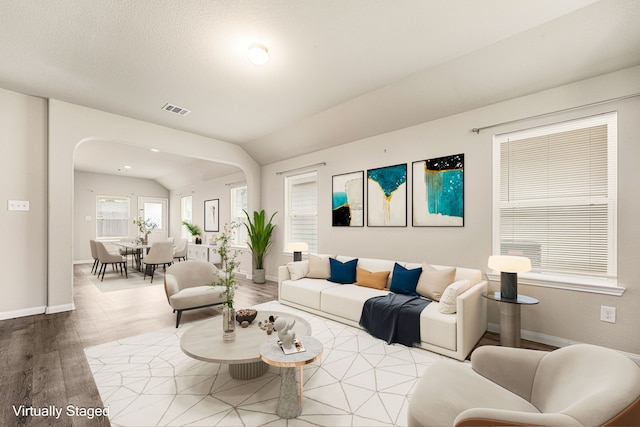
(438, 191)
(387, 196)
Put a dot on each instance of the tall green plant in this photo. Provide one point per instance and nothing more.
(259, 232)
(229, 262)
(193, 229)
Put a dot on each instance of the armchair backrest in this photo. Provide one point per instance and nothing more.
(585, 381)
(191, 273)
(94, 249)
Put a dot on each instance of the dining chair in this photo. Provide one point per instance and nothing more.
(180, 252)
(107, 258)
(94, 255)
(161, 253)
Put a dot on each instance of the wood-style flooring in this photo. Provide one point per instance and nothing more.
(42, 356)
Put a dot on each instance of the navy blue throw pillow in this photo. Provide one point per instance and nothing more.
(405, 281)
(343, 272)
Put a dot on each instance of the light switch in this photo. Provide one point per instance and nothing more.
(18, 205)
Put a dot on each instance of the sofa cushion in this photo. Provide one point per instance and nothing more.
(319, 266)
(448, 302)
(305, 292)
(433, 281)
(298, 269)
(347, 301)
(404, 281)
(377, 280)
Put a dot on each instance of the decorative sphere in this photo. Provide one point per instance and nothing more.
(244, 323)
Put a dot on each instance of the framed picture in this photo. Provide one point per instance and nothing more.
(438, 192)
(347, 200)
(212, 215)
(387, 196)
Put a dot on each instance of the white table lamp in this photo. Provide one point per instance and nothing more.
(509, 267)
(297, 248)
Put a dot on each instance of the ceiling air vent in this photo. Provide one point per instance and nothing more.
(175, 109)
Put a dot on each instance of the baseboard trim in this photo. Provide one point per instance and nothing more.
(60, 308)
(554, 341)
(31, 311)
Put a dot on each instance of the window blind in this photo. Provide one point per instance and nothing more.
(555, 199)
(302, 210)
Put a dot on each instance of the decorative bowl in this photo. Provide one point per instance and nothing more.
(246, 314)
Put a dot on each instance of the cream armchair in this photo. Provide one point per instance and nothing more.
(187, 285)
(578, 385)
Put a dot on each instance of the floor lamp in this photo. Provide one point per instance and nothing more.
(509, 267)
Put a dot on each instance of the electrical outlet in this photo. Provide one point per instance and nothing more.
(608, 314)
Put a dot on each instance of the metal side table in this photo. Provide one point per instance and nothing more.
(510, 316)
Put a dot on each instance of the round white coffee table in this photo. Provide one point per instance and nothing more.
(204, 342)
(289, 405)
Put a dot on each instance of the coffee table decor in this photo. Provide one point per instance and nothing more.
(245, 316)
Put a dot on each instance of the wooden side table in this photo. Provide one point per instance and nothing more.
(289, 405)
(510, 316)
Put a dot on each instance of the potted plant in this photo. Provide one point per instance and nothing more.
(194, 230)
(259, 232)
(145, 226)
(227, 279)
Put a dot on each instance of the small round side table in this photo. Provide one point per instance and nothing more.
(289, 405)
(510, 316)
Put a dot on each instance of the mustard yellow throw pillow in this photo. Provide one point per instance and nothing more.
(377, 280)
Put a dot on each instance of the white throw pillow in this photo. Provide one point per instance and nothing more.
(433, 281)
(319, 267)
(298, 269)
(450, 295)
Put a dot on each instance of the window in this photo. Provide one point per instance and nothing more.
(186, 214)
(238, 205)
(555, 201)
(112, 217)
(301, 206)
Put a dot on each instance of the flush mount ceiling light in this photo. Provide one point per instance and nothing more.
(258, 54)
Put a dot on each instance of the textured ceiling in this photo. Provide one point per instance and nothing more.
(340, 70)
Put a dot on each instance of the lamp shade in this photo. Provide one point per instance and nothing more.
(298, 247)
(509, 263)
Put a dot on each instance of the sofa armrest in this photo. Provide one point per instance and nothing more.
(511, 368)
(502, 417)
(471, 312)
(283, 274)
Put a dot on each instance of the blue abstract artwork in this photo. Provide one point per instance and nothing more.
(347, 202)
(438, 191)
(387, 196)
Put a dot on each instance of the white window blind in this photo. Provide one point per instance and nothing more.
(555, 191)
(186, 214)
(238, 205)
(112, 217)
(302, 209)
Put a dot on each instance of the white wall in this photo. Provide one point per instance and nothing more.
(567, 315)
(23, 254)
(213, 189)
(89, 185)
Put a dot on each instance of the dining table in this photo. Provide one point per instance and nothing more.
(137, 251)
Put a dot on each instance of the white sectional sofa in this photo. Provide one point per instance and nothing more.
(451, 326)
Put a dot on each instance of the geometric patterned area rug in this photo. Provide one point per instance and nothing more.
(360, 381)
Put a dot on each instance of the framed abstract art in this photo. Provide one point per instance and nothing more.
(347, 204)
(387, 196)
(438, 192)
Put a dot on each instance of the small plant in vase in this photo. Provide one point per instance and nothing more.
(194, 230)
(145, 226)
(229, 263)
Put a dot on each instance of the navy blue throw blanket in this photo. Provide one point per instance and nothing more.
(394, 318)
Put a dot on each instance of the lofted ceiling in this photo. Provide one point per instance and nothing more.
(339, 70)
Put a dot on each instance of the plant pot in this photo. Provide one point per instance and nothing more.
(228, 325)
(198, 241)
(259, 275)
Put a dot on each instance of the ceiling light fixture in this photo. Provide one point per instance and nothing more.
(258, 54)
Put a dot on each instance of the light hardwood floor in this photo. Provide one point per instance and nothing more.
(42, 356)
